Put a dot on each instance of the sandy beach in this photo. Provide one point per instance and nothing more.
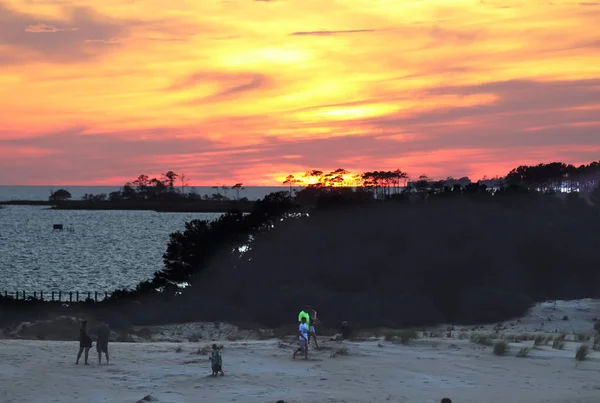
(424, 370)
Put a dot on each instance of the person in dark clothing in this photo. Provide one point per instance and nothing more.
(85, 342)
(345, 330)
(216, 360)
(103, 333)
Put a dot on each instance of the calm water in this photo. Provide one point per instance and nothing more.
(107, 249)
(42, 192)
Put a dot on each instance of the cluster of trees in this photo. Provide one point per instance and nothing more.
(146, 188)
(170, 186)
(552, 177)
(556, 176)
(344, 178)
(59, 195)
(381, 183)
(190, 250)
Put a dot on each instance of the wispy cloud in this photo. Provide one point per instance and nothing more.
(45, 28)
(326, 33)
(21, 32)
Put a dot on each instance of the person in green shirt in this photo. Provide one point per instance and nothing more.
(305, 313)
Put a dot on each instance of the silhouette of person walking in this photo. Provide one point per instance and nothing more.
(103, 333)
(85, 342)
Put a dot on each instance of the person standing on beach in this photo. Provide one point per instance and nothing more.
(345, 330)
(306, 315)
(216, 360)
(103, 333)
(303, 339)
(85, 343)
(311, 328)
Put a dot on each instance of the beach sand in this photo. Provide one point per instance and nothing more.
(425, 370)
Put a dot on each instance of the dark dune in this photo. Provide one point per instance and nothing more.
(390, 265)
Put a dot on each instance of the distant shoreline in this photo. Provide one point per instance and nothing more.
(180, 206)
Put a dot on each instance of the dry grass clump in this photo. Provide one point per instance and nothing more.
(408, 335)
(483, 339)
(339, 352)
(539, 340)
(62, 328)
(510, 338)
(500, 347)
(559, 342)
(400, 336)
(582, 352)
(523, 353)
(582, 337)
(195, 338)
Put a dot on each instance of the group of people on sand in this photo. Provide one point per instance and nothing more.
(308, 319)
(85, 342)
(306, 330)
(103, 334)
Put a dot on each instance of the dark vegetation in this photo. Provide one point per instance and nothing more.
(171, 187)
(377, 255)
(166, 194)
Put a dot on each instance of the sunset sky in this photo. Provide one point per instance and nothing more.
(99, 91)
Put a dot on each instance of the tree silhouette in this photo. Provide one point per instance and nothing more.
(129, 192)
(170, 178)
(237, 187)
(60, 195)
(183, 179)
(141, 185)
(314, 178)
(225, 190)
(422, 184)
(399, 176)
(291, 181)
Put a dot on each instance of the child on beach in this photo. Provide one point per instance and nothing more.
(216, 361)
(303, 339)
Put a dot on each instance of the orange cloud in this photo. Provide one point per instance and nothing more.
(249, 91)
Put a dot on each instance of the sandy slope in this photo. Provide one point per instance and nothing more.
(263, 371)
